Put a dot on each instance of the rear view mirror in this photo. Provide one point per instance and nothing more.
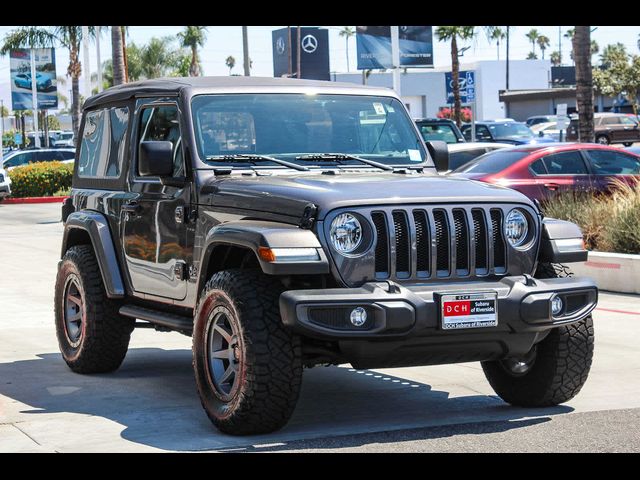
(155, 159)
(439, 153)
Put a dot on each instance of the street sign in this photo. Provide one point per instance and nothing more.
(561, 110)
(465, 80)
(563, 122)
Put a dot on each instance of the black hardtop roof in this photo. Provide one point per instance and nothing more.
(174, 85)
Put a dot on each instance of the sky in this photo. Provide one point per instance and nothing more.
(227, 40)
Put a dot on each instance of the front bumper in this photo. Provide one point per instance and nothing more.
(395, 311)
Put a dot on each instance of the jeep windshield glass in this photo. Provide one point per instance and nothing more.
(292, 127)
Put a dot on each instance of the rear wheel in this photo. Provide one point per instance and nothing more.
(603, 140)
(555, 369)
(92, 335)
(627, 144)
(248, 367)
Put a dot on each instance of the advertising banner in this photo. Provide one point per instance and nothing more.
(20, 67)
(374, 46)
(314, 53)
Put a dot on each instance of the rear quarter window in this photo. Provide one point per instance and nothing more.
(103, 142)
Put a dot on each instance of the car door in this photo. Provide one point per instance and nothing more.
(154, 234)
(629, 129)
(563, 171)
(609, 165)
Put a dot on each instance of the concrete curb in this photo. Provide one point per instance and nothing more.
(13, 201)
(615, 272)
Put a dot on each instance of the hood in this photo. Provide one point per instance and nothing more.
(288, 195)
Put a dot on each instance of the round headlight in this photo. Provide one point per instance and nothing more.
(345, 233)
(516, 227)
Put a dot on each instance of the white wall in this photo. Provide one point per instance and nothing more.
(490, 78)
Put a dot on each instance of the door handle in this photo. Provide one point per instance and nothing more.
(132, 207)
(551, 186)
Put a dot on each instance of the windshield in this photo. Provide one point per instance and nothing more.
(493, 162)
(292, 126)
(438, 131)
(510, 130)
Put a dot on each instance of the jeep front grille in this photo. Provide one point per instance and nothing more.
(431, 243)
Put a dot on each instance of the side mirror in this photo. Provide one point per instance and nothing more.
(155, 159)
(541, 133)
(440, 154)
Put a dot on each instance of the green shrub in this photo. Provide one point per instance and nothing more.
(609, 223)
(40, 179)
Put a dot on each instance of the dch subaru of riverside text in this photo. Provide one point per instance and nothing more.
(286, 223)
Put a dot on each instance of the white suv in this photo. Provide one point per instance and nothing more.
(5, 184)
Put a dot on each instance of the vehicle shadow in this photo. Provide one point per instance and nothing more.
(153, 396)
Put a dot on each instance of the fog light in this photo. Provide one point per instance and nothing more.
(358, 316)
(556, 306)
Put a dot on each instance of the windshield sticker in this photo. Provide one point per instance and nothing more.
(414, 156)
(378, 108)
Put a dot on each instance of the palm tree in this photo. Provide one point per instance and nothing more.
(117, 56)
(532, 56)
(584, 83)
(555, 58)
(452, 34)
(194, 37)
(543, 42)
(157, 58)
(66, 36)
(230, 62)
(533, 36)
(347, 32)
(497, 34)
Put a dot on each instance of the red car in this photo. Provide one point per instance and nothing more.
(541, 171)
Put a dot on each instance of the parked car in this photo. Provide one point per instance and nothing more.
(609, 128)
(514, 133)
(461, 153)
(303, 243)
(536, 119)
(18, 158)
(32, 140)
(547, 130)
(23, 80)
(542, 171)
(64, 139)
(439, 129)
(5, 184)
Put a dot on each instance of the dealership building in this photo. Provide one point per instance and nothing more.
(424, 91)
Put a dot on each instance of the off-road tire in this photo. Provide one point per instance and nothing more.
(561, 365)
(104, 336)
(270, 366)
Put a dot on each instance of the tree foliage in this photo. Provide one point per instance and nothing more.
(619, 74)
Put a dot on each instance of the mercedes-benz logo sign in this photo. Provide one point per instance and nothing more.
(280, 45)
(309, 43)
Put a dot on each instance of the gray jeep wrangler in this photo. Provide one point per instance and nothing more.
(287, 223)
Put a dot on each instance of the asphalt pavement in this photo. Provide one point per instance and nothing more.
(151, 404)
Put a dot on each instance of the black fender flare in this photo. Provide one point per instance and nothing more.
(253, 234)
(96, 226)
(561, 242)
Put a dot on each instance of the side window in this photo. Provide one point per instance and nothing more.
(537, 168)
(161, 124)
(606, 162)
(565, 163)
(482, 133)
(609, 120)
(103, 143)
(466, 132)
(627, 121)
(67, 155)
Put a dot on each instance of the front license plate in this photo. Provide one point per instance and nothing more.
(473, 310)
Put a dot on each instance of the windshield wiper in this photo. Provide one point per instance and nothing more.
(254, 158)
(342, 156)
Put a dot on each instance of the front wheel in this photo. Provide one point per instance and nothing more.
(602, 140)
(555, 370)
(248, 367)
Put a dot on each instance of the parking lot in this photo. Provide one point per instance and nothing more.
(151, 404)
